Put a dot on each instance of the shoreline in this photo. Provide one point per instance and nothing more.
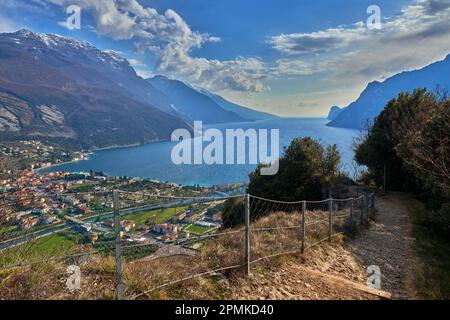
(192, 176)
(131, 145)
(89, 152)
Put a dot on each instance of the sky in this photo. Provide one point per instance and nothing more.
(287, 57)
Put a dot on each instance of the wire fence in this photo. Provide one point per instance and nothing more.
(143, 243)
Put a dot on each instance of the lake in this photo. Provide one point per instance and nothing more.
(154, 160)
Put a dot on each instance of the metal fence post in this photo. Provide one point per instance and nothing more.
(247, 234)
(303, 225)
(362, 210)
(330, 220)
(350, 219)
(116, 207)
(366, 198)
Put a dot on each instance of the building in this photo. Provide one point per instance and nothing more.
(29, 222)
(217, 217)
(82, 210)
(127, 225)
(165, 228)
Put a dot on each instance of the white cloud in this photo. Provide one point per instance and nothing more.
(284, 68)
(6, 25)
(136, 63)
(172, 40)
(346, 56)
(144, 73)
(303, 43)
(354, 54)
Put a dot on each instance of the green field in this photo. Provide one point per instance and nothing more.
(197, 229)
(7, 231)
(86, 187)
(51, 246)
(160, 216)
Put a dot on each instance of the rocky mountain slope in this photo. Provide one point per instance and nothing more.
(191, 104)
(200, 104)
(377, 94)
(58, 87)
(334, 112)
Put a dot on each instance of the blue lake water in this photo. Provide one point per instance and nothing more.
(154, 160)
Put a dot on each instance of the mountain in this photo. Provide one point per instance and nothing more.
(192, 104)
(244, 112)
(377, 94)
(54, 86)
(334, 112)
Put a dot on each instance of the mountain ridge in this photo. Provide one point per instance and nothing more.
(217, 106)
(334, 112)
(53, 86)
(190, 103)
(377, 94)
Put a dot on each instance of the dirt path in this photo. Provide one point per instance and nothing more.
(295, 282)
(327, 272)
(388, 244)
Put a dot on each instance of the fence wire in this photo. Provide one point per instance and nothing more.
(166, 242)
(195, 236)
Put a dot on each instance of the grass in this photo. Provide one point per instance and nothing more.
(128, 252)
(86, 187)
(51, 246)
(433, 280)
(5, 231)
(160, 216)
(196, 229)
(47, 280)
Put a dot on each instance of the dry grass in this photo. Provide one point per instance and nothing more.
(47, 281)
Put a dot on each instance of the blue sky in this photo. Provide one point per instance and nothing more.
(293, 58)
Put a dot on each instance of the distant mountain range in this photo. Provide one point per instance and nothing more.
(54, 86)
(191, 104)
(245, 113)
(377, 94)
(200, 104)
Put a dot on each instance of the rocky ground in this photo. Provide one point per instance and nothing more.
(336, 271)
(339, 272)
(388, 244)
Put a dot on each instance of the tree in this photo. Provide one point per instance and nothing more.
(411, 139)
(233, 213)
(330, 166)
(427, 150)
(305, 168)
(302, 169)
(377, 148)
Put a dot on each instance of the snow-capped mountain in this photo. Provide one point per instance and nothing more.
(58, 87)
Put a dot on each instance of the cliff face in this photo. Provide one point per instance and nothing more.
(334, 112)
(377, 94)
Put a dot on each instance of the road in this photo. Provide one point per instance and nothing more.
(10, 243)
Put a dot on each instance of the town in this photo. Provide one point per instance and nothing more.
(76, 209)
